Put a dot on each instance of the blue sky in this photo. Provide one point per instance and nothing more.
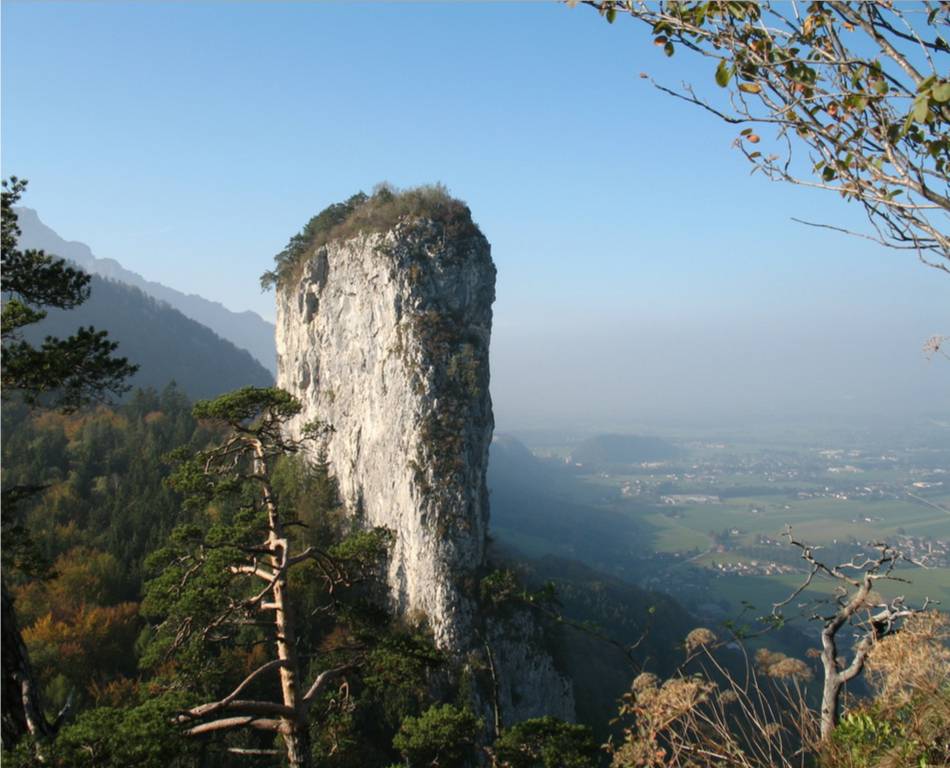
(640, 266)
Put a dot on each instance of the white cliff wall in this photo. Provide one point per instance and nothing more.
(385, 337)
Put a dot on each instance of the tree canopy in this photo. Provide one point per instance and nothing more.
(849, 97)
(63, 373)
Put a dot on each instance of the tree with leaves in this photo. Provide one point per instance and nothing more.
(443, 735)
(229, 584)
(545, 742)
(849, 97)
(60, 373)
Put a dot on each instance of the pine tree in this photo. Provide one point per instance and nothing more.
(60, 373)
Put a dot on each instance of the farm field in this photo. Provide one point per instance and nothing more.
(711, 520)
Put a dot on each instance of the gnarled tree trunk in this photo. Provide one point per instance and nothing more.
(22, 713)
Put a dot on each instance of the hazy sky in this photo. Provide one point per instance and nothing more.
(643, 274)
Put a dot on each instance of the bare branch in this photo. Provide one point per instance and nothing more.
(322, 679)
(871, 111)
(232, 723)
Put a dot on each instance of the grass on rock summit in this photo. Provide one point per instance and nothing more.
(365, 214)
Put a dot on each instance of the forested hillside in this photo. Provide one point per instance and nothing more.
(104, 507)
(102, 540)
(166, 345)
(103, 534)
(103, 472)
(246, 330)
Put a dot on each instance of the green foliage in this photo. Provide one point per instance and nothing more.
(188, 478)
(363, 548)
(861, 87)
(366, 214)
(441, 736)
(192, 588)
(316, 232)
(144, 736)
(142, 733)
(546, 742)
(60, 372)
(244, 405)
(251, 411)
(69, 371)
(877, 734)
(503, 587)
(396, 672)
(394, 682)
(865, 736)
(100, 476)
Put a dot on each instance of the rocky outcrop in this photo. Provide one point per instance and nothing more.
(528, 684)
(384, 335)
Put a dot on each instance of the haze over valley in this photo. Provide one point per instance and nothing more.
(431, 385)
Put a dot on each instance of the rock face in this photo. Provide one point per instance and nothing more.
(385, 337)
(528, 683)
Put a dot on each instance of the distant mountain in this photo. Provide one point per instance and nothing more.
(623, 449)
(246, 330)
(165, 344)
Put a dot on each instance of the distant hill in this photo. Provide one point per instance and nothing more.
(246, 330)
(165, 344)
(623, 449)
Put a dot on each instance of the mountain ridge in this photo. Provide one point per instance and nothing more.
(246, 329)
(165, 343)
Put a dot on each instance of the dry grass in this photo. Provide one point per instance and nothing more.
(388, 206)
(780, 666)
(699, 637)
(761, 719)
(907, 722)
(714, 719)
(365, 214)
(915, 659)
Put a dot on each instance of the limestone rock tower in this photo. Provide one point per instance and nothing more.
(384, 335)
(384, 315)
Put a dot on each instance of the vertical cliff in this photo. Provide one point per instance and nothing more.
(385, 336)
(384, 312)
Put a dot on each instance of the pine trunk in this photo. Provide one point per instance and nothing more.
(22, 713)
(295, 730)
